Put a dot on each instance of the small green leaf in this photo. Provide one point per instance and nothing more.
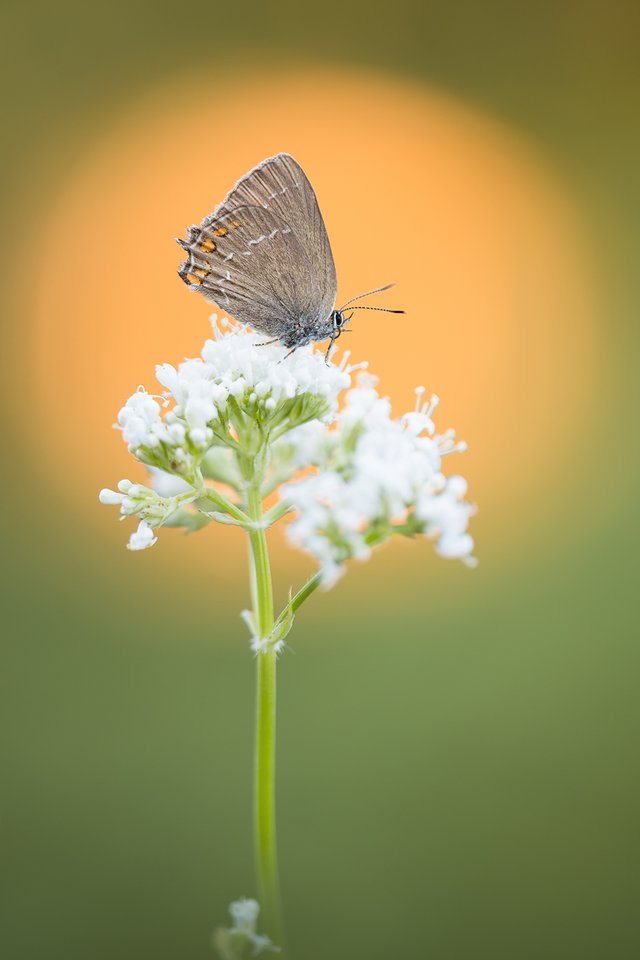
(283, 624)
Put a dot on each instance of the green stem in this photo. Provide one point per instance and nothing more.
(265, 732)
(262, 590)
(264, 797)
(223, 502)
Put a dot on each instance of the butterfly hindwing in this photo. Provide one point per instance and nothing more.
(251, 263)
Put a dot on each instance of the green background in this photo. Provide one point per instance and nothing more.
(458, 761)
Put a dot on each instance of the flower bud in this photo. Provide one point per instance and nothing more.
(110, 496)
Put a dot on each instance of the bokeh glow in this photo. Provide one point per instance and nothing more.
(488, 254)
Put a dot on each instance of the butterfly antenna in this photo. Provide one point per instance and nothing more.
(381, 309)
(368, 294)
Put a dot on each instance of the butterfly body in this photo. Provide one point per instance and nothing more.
(264, 256)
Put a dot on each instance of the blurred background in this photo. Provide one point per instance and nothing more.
(457, 757)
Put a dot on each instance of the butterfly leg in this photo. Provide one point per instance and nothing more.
(329, 350)
(293, 350)
(265, 343)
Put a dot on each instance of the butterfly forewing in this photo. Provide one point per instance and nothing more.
(279, 184)
(274, 270)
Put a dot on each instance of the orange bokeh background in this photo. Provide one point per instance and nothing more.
(489, 255)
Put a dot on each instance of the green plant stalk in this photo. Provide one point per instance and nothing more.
(265, 731)
(264, 798)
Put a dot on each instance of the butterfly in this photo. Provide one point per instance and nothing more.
(264, 257)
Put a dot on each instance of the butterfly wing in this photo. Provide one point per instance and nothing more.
(251, 263)
(280, 186)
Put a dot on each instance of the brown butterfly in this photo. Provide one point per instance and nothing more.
(264, 256)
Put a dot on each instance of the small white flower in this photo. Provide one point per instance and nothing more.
(177, 433)
(140, 420)
(446, 516)
(245, 913)
(166, 484)
(456, 547)
(113, 497)
(232, 941)
(142, 538)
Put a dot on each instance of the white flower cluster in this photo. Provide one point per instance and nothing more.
(214, 410)
(233, 942)
(211, 392)
(375, 476)
(244, 407)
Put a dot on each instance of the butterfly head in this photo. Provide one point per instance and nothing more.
(331, 329)
(338, 321)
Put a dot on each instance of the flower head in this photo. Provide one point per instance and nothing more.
(211, 420)
(349, 472)
(376, 476)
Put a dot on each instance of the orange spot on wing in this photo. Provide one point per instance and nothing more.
(208, 245)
